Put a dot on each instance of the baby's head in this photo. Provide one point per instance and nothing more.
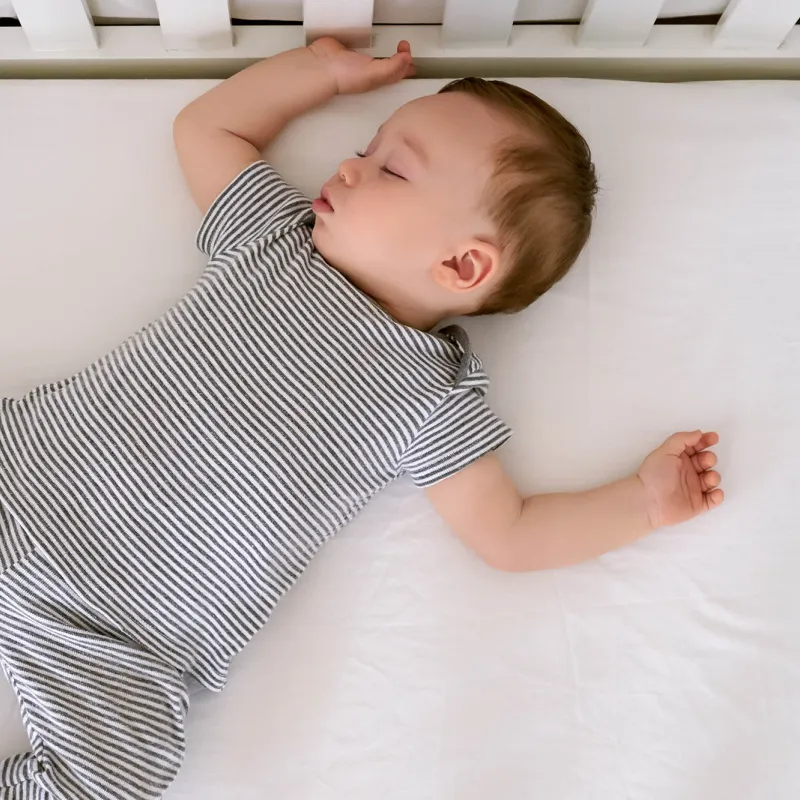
(475, 200)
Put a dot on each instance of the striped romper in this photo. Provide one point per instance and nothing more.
(155, 506)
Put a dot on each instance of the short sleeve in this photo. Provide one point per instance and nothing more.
(256, 202)
(461, 430)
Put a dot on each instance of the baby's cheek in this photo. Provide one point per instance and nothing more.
(382, 227)
(389, 226)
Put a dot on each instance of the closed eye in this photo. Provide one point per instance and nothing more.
(393, 174)
(383, 169)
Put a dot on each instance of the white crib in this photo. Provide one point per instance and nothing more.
(401, 668)
(608, 38)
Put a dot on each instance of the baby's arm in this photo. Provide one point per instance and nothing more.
(482, 505)
(224, 130)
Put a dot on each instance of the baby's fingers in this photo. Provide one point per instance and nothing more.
(713, 499)
(693, 442)
(404, 51)
(707, 440)
(710, 480)
(390, 70)
(703, 461)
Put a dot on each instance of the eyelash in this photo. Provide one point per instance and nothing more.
(383, 169)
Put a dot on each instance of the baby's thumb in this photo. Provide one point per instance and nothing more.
(388, 70)
(678, 442)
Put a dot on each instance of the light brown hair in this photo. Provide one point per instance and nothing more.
(541, 197)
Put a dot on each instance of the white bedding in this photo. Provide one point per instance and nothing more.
(400, 667)
(397, 12)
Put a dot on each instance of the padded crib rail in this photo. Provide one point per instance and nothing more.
(614, 38)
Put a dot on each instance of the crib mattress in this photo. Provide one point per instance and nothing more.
(401, 667)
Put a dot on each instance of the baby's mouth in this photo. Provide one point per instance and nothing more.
(322, 205)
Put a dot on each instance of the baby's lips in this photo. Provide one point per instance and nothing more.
(321, 206)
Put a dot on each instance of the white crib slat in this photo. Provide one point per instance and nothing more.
(757, 23)
(350, 21)
(477, 22)
(673, 52)
(195, 24)
(57, 24)
(615, 23)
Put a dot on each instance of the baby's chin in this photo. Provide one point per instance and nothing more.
(322, 241)
(334, 251)
(326, 247)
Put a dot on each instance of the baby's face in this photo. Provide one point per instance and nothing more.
(412, 200)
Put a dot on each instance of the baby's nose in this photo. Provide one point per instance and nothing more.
(349, 171)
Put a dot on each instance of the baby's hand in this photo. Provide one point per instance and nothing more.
(678, 478)
(355, 72)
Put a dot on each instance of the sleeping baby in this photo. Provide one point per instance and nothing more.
(156, 506)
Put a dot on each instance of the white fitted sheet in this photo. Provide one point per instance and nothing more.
(396, 12)
(400, 667)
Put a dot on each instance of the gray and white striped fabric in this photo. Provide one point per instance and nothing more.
(158, 504)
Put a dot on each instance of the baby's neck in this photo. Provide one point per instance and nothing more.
(419, 318)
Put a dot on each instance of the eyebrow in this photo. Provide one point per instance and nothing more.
(415, 146)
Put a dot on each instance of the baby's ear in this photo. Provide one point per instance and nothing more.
(472, 267)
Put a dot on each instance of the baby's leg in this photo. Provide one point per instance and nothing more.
(104, 716)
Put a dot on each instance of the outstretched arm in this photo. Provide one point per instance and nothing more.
(225, 129)
(515, 534)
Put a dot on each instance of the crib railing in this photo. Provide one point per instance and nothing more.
(615, 38)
